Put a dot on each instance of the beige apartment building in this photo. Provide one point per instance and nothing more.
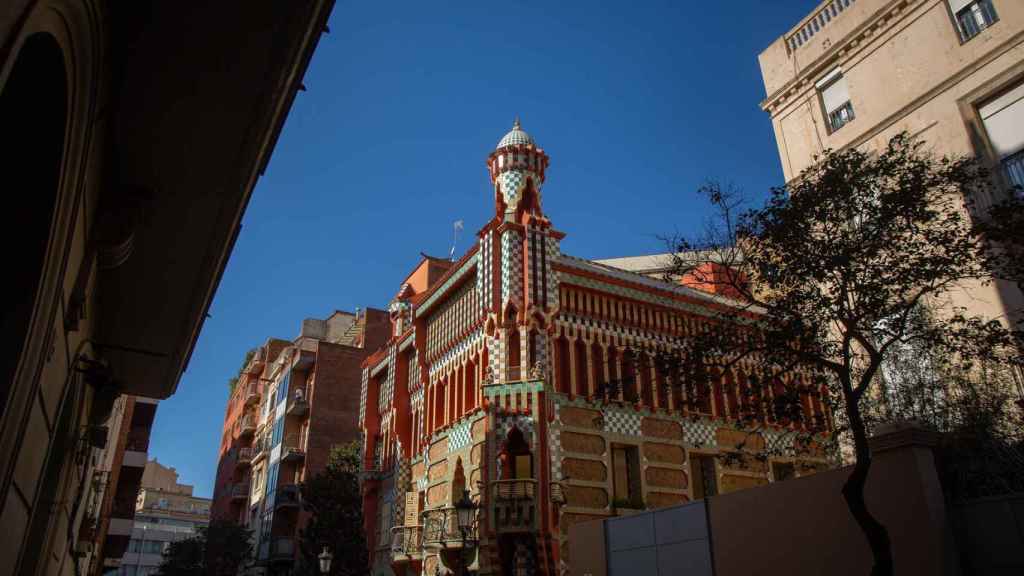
(951, 72)
(165, 512)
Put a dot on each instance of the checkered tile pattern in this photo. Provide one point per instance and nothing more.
(512, 183)
(363, 391)
(698, 433)
(511, 267)
(524, 423)
(555, 444)
(387, 390)
(554, 251)
(484, 271)
(459, 436)
(622, 422)
(495, 356)
(403, 473)
(779, 443)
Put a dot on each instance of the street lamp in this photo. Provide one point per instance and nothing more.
(325, 558)
(465, 511)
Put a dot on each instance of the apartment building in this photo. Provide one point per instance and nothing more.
(165, 512)
(853, 73)
(293, 402)
(133, 153)
(489, 397)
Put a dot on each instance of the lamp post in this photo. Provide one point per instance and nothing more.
(325, 558)
(465, 511)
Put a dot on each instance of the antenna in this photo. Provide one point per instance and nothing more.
(455, 238)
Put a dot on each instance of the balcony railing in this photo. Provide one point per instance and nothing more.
(240, 491)
(1014, 167)
(294, 447)
(123, 508)
(297, 404)
(245, 456)
(252, 395)
(282, 549)
(260, 449)
(247, 425)
(287, 496)
(138, 440)
(513, 503)
(406, 542)
(441, 528)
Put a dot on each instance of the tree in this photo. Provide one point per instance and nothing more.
(220, 549)
(333, 498)
(233, 381)
(831, 274)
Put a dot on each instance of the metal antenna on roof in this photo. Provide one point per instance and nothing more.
(455, 239)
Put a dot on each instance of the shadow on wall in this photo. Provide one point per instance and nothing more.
(802, 527)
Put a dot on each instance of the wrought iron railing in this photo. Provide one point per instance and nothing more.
(841, 116)
(406, 540)
(245, 454)
(1013, 165)
(294, 446)
(513, 503)
(138, 439)
(240, 490)
(441, 527)
(287, 496)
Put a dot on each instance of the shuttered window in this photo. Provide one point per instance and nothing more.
(835, 98)
(1003, 117)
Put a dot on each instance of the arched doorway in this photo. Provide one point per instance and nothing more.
(33, 114)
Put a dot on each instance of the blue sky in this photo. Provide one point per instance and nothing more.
(637, 103)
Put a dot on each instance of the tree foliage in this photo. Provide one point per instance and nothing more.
(334, 500)
(233, 381)
(220, 549)
(832, 273)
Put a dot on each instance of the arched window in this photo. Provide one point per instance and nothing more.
(33, 114)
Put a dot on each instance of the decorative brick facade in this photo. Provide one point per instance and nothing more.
(492, 386)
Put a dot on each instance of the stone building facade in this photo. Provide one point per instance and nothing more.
(294, 401)
(491, 384)
(120, 236)
(853, 73)
(165, 512)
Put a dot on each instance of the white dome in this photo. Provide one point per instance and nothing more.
(516, 136)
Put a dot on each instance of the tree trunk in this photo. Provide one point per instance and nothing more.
(853, 492)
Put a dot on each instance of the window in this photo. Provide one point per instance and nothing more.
(972, 16)
(626, 476)
(783, 471)
(703, 476)
(1003, 117)
(835, 98)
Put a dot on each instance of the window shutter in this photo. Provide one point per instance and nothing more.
(835, 94)
(958, 5)
(1004, 121)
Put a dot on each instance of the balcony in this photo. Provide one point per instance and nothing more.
(293, 448)
(1014, 167)
(260, 449)
(513, 505)
(297, 404)
(247, 425)
(441, 529)
(123, 507)
(405, 542)
(244, 456)
(282, 550)
(138, 440)
(287, 497)
(252, 395)
(240, 491)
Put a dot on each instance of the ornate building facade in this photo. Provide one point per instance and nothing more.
(493, 386)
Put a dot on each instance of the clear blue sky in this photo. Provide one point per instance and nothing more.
(637, 103)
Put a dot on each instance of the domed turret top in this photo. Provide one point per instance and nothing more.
(515, 136)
